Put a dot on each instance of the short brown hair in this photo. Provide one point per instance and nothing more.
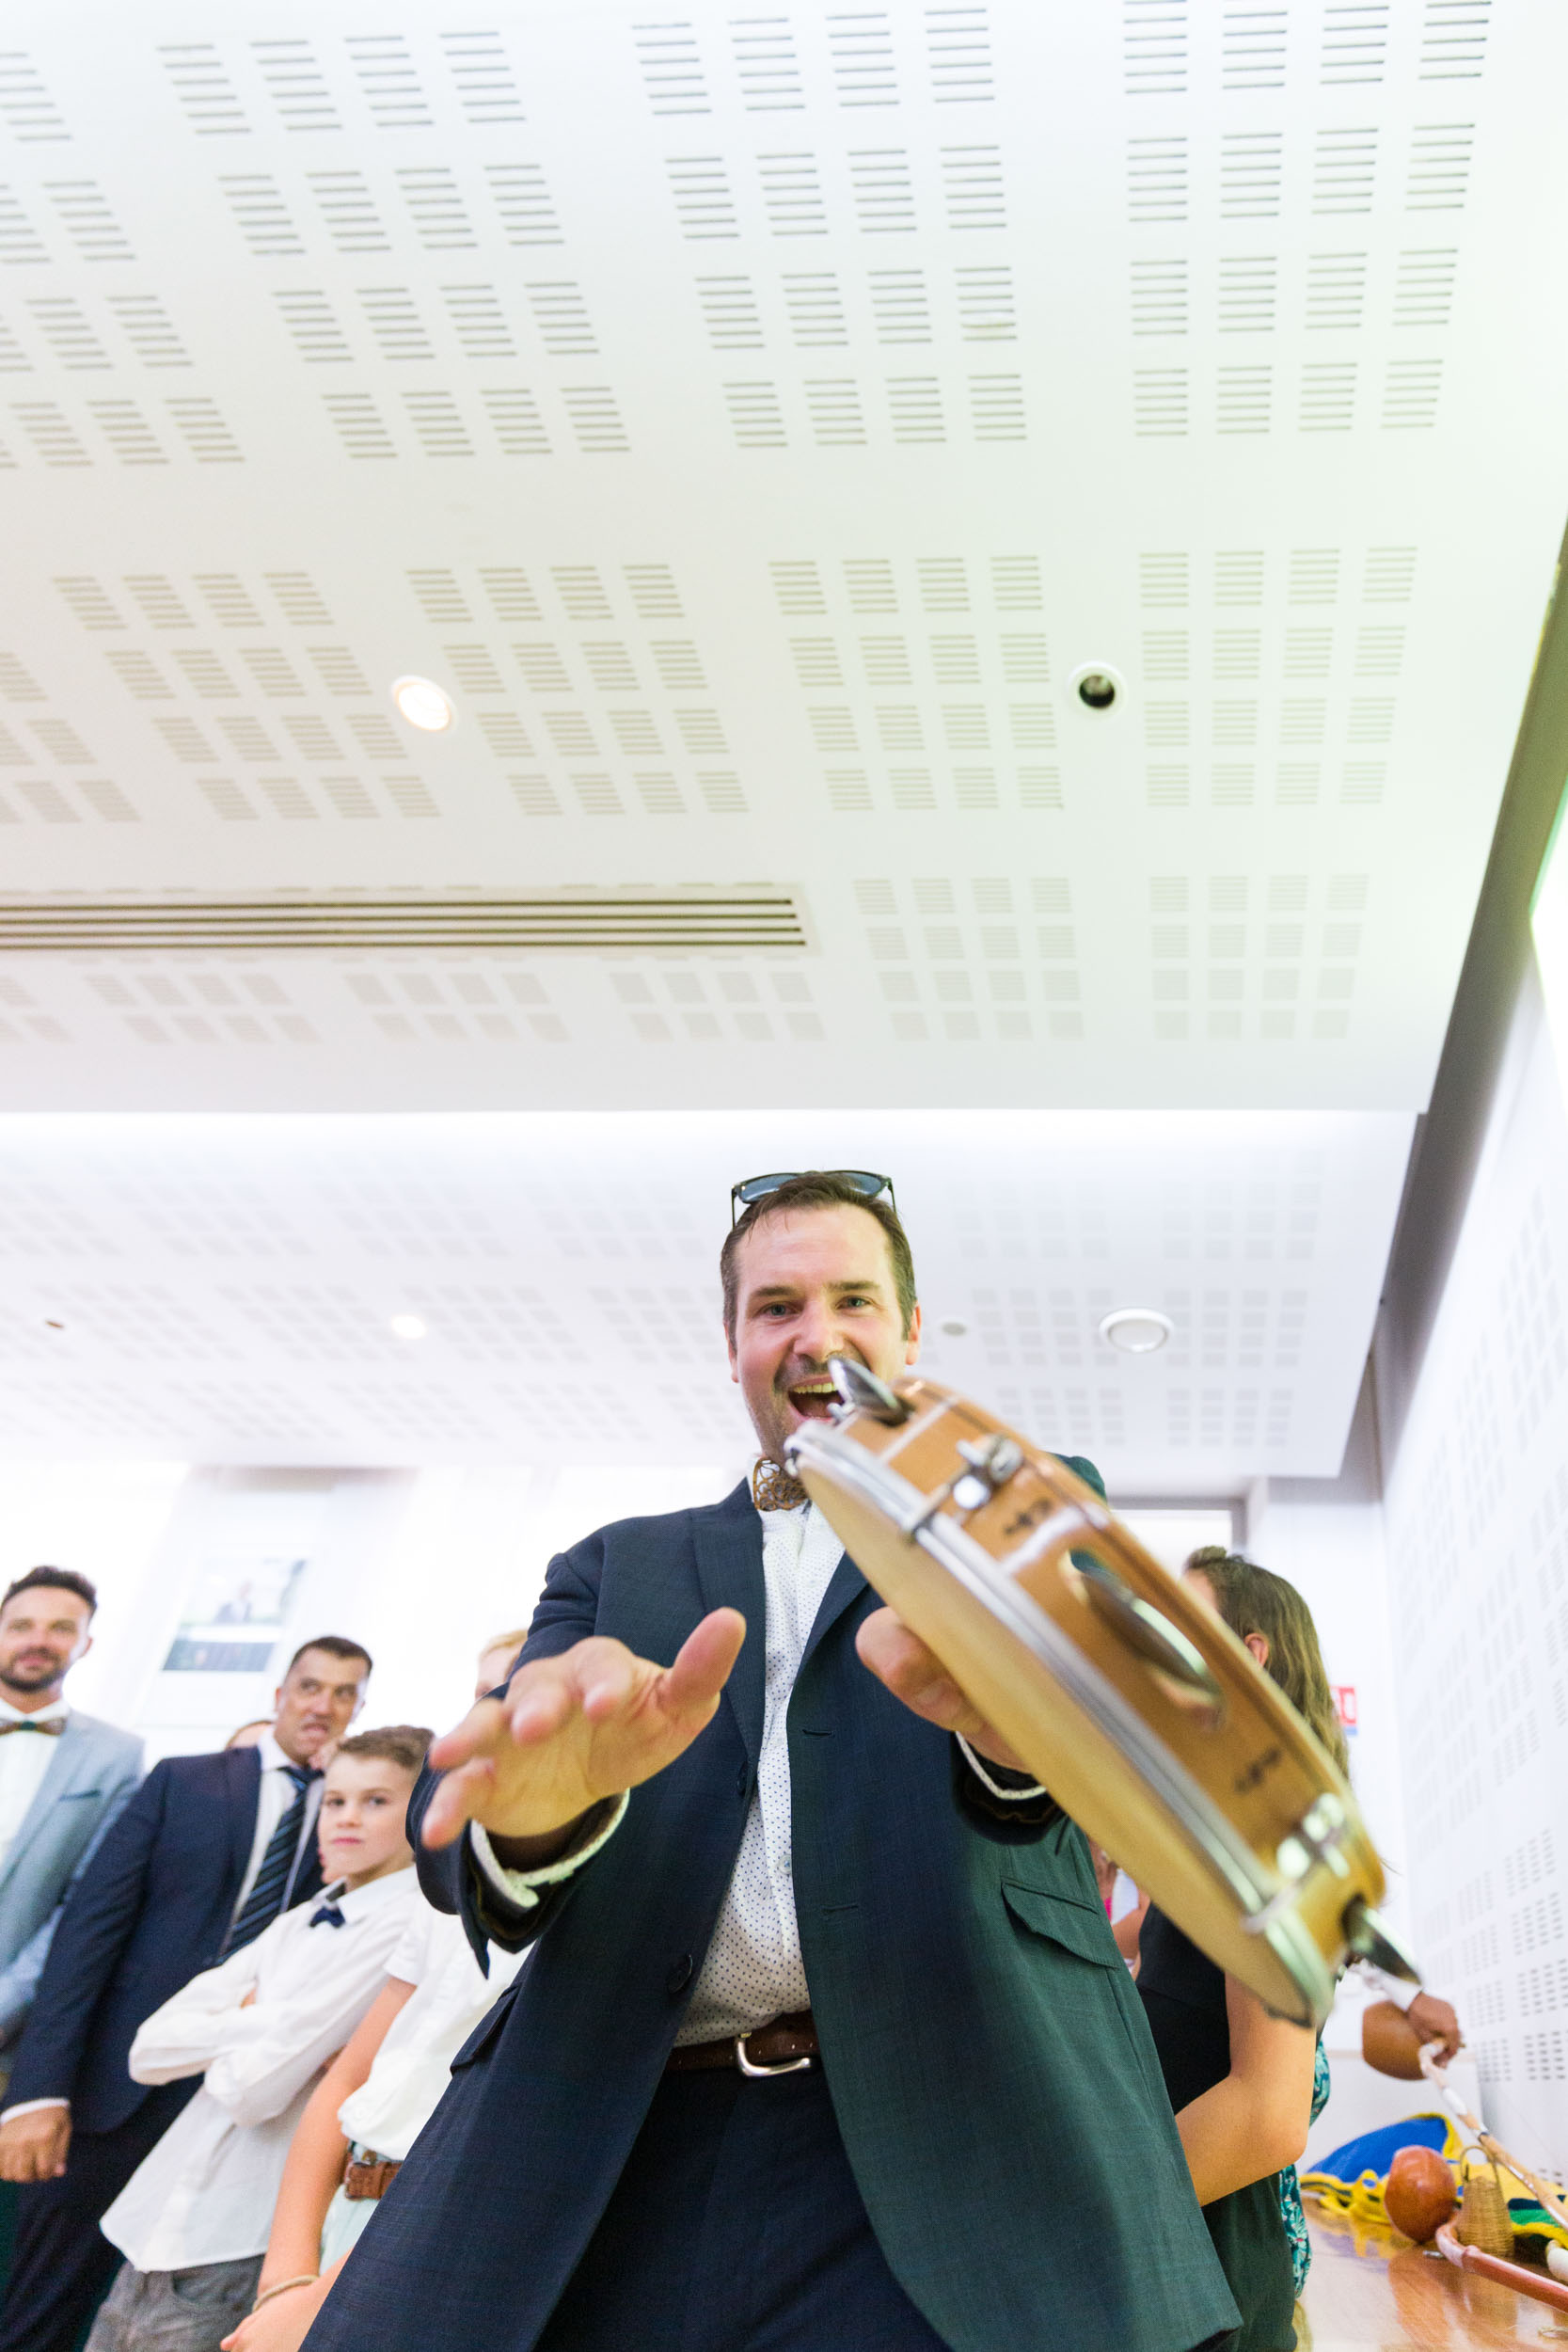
(820, 1189)
(1255, 1601)
(336, 1646)
(402, 1745)
(59, 1580)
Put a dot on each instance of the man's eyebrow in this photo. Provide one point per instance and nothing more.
(792, 1290)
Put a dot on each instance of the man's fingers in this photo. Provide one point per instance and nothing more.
(704, 1662)
(457, 1799)
(898, 1658)
(470, 1737)
(539, 1708)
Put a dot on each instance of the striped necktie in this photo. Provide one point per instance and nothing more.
(266, 1899)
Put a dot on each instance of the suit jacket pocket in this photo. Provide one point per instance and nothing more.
(1074, 1926)
(489, 2026)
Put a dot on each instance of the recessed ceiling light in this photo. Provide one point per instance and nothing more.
(408, 1326)
(1136, 1331)
(423, 704)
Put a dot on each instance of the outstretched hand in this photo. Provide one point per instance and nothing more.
(574, 1730)
(916, 1674)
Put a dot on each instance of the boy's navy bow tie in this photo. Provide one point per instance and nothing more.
(327, 1916)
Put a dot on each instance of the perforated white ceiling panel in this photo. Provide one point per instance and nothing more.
(225, 1289)
(755, 422)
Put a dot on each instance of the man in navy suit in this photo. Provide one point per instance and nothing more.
(825, 2041)
(209, 1850)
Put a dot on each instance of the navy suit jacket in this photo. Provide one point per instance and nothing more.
(151, 1911)
(990, 2067)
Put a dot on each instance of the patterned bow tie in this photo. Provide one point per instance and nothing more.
(773, 1489)
(51, 1730)
(328, 1916)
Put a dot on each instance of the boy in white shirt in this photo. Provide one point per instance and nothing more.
(373, 2100)
(194, 2219)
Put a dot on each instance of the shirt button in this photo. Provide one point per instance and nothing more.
(680, 1974)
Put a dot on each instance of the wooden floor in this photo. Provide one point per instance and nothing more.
(1369, 2291)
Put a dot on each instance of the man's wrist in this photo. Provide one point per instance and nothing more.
(537, 1853)
(32, 2107)
(524, 1889)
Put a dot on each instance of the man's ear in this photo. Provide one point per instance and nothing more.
(87, 1644)
(276, 1699)
(1259, 1645)
(734, 1361)
(911, 1341)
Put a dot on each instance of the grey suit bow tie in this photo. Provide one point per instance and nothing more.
(51, 1730)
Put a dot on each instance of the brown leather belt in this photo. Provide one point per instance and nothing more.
(787, 2046)
(370, 2176)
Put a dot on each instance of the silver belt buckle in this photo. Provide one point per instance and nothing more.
(761, 2073)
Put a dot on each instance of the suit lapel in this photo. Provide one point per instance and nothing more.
(61, 1773)
(242, 1789)
(728, 1543)
(844, 1587)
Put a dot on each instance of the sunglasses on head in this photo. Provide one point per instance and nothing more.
(869, 1187)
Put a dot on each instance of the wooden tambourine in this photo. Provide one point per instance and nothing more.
(1148, 1721)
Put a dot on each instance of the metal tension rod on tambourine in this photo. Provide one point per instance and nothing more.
(988, 1465)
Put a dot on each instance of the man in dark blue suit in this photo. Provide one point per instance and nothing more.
(209, 1850)
(825, 2044)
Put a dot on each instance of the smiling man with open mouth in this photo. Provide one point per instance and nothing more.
(825, 2045)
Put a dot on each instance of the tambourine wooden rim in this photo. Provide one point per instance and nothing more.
(1280, 1951)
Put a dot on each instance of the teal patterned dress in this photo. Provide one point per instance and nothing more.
(1290, 2188)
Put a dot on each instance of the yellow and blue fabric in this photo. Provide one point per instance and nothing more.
(1351, 2179)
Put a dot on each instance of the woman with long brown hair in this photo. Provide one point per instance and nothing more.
(1242, 2081)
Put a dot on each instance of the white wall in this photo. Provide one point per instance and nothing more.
(107, 1520)
(420, 1566)
(1477, 1519)
(1332, 1549)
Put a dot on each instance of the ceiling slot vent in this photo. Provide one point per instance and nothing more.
(19, 240)
(860, 46)
(568, 923)
(958, 46)
(884, 194)
(766, 65)
(296, 85)
(389, 81)
(477, 65)
(523, 200)
(260, 213)
(672, 69)
(1155, 48)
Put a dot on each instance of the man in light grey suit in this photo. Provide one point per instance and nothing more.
(63, 1775)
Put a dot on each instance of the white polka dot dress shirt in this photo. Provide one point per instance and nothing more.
(754, 1971)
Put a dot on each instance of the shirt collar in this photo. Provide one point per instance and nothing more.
(273, 1758)
(56, 1712)
(354, 1900)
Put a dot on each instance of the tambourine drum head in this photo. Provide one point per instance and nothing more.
(1130, 1701)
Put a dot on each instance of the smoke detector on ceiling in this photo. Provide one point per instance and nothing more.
(1136, 1331)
